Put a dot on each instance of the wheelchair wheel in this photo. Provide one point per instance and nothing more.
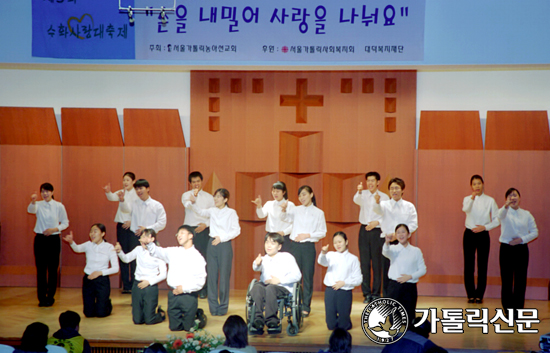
(297, 318)
(249, 306)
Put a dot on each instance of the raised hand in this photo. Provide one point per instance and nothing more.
(377, 198)
(284, 206)
(107, 188)
(324, 249)
(360, 187)
(193, 198)
(34, 197)
(69, 238)
(258, 260)
(120, 195)
(118, 248)
(474, 194)
(258, 201)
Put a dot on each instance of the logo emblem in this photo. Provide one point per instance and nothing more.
(384, 321)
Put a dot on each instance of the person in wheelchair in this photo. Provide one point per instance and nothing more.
(279, 273)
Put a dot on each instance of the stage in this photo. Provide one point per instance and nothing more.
(18, 308)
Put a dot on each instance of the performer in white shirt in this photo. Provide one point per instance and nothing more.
(518, 228)
(308, 227)
(124, 235)
(371, 238)
(186, 275)
(407, 266)
(51, 220)
(394, 211)
(96, 287)
(279, 273)
(272, 210)
(224, 226)
(343, 274)
(201, 225)
(481, 216)
(146, 212)
(149, 272)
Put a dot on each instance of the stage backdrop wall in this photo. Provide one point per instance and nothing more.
(323, 129)
(92, 155)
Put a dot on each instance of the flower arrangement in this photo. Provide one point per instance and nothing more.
(198, 341)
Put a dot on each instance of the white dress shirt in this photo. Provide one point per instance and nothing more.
(148, 268)
(517, 223)
(149, 214)
(394, 213)
(482, 211)
(342, 266)
(224, 222)
(404, 261)
(272, 210)
(50, 214)
(122, 216)
(283, 266)
(203, 200)
(98, 257)
(187, 267)
(366, 202)
(306, 220)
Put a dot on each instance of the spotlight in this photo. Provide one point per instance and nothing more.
(163, 15)
(130, 15)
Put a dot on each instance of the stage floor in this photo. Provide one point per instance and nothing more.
(18, 308)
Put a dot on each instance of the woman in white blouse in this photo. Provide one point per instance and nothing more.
(518, 228)
(96, 287)
(51, 220)
(272, 210)
(124, 235)
(308, 227)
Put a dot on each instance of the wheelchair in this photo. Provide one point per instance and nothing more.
(290, 306)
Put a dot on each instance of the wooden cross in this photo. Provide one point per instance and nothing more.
(301, 101)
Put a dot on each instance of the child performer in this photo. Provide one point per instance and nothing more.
(272, 210)
(308, 227)
(370, 236)
(124, 235)
(145, 292)
(96, 287)
(186, 275)
(481, 216)
(201, 225)
(51, 220)
(279, 273)
(224, 226)
(343, 274)
(518, 228)
(393, 212)
(407, 266)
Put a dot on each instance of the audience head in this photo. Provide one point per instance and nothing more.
(155, 348)
(35, 338)
(236, 332)
(69, 319)
(423, 330)
(340, 341)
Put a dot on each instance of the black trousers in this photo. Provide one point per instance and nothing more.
(265, 295)
(144, 305)
(338, 308)
(286, 244)
(201, 244)
(128, 241)
(46, 258)
(305, 256)
(514, 261)
(182, 310)
(96, 296)
(406, 294)
(471, 243)
(218, 267)
(370, 250)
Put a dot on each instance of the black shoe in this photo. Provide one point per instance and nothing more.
(272, 324)
(367, 299)
(201, 317)
(42, 304)
(126, 291)
(258, 325)
(373, 297)
(471, 300)
(162, 313)
(203, 295)
(479, 300)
